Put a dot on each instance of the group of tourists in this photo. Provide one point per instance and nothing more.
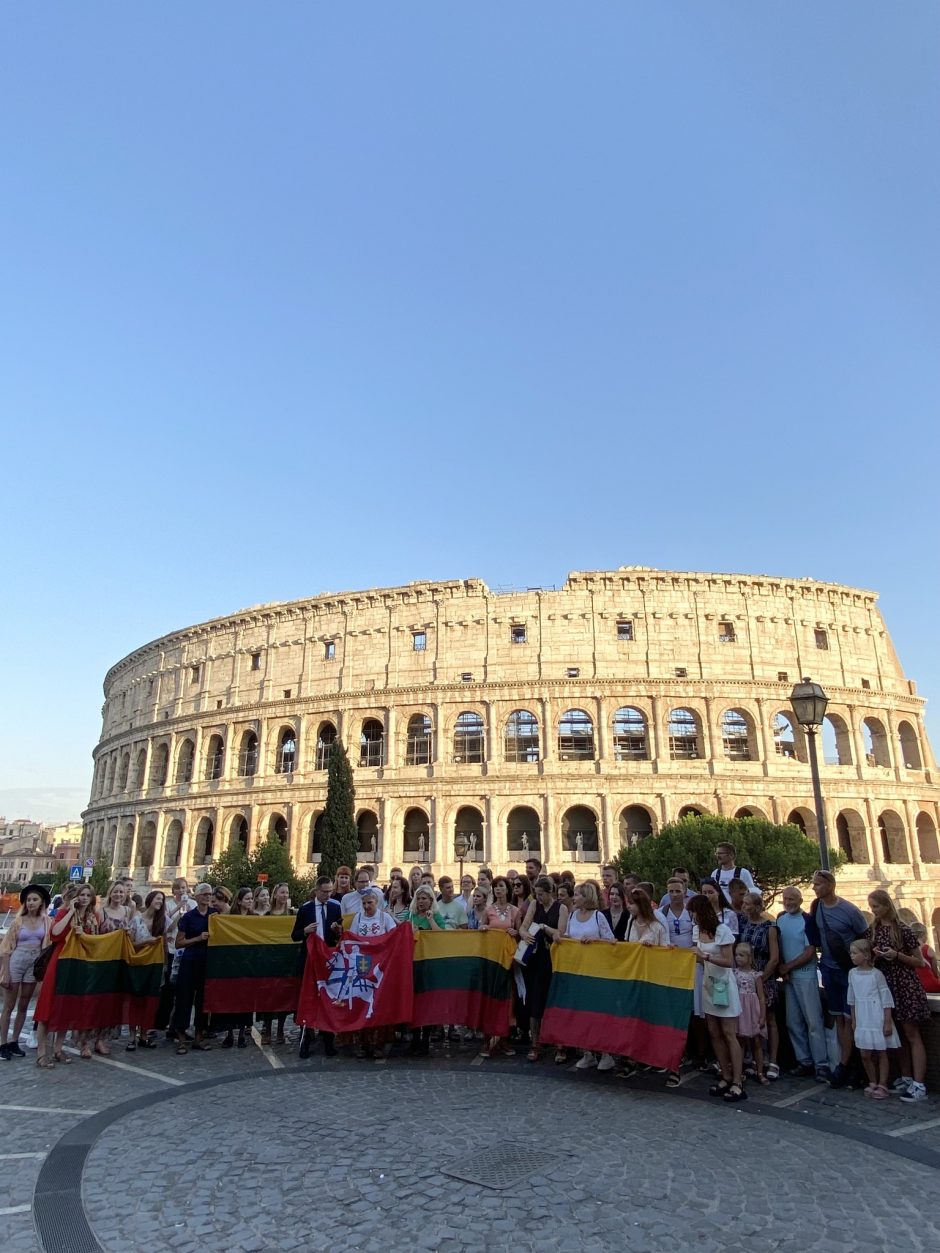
(870, 980)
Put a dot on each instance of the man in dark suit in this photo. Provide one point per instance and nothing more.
(321, 915)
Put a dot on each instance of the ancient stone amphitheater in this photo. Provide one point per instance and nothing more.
(566, 720)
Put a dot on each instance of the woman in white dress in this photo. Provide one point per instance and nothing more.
(587, 924)
(721, 1004)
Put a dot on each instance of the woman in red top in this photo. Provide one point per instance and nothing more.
(502, 915)
(63, 924)
(929, 973)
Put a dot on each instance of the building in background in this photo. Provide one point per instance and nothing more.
(567, 722)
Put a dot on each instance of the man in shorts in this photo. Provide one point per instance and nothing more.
(833, 924)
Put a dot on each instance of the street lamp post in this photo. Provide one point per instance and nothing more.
(461, 845)
(809, 703)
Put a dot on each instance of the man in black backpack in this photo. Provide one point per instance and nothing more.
(726, 870)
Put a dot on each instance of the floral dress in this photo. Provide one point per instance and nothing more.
(757, 934)
(910, 999)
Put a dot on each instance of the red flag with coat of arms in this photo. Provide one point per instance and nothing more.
(365, 981)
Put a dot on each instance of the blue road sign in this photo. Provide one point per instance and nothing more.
(89, 863)
(75, 873)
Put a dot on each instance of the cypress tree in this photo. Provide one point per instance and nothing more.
(340, 834)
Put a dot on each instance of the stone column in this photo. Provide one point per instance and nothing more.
(230, 763)
(767, 752)
(437, 736)
(159, 845)
(603, 731)
(548, 749)
(132, 855)
(709, 736)
(605, 842)
(391, 753)
(910, 815)
(186, 842)
(490, 747)
(199, 766)
(856, 740)
(874, 837)
(548, 831)
(494, 843)
(659, 747)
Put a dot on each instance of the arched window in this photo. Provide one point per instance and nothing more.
(523, 831)
(372, 743)
(735, 735)
(215, 757)
(111, 773)
(630, 735)
(286, 760)
(750, 811)
(522, 737)
(469, 738)
(205, 836)
(785, 737)
(277, 827)
(159, 766)
(173, 844)
(576, 736)
(579, 830)
(315, 850)
(125, 772)
(248, 755)
(146, 847)
(635, 824)
(418, 747)
(367, 824)
(837, 749)
(910, 748)
(417, 836)
(876, 743)
(927, 838)
(893, 838)
(140, 770)
(184, 762)
(326, 738)
(690, 811)
(122, 853)
(469, 824)
(240, 831)
(683, 735)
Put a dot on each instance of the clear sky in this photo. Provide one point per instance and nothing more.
(304, 297)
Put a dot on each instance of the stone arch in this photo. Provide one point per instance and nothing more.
(417, 835)
(893, 837)
(279, 827)
(576, 736)
(750, 811)
(248, 755)
(140, 770)
(635, 823)
(691, 811)
(850, 832)
(326, 738)
(146, 846)
(315, 837)
(112, 768)
(125, 772)
(239, 832)
(418, 740)
(285, 757)
(160, 765)
(908, 916)
(468, 822)
(631, 739)
(836, 741)
(173, 843)
(927, 838)
(215, 757)
(185, 761)
(367, 825)
(875, 739)
(469, 738)
(372, 743)
(523, 830)
(521, 739)
(787, 735)
(122, 851)
(107, 844)
(684, 734)
(805, 819)
(910, 746)
(738, 735)
(205, 839)
(579, 821)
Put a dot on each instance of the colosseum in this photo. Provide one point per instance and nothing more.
(567, 721)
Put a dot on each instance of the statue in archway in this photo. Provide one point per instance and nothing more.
(422, 845)
(472, 843)
(579, 846)
(525, 841)
(374, 849)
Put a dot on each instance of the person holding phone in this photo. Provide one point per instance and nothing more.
(192, 939)
(897, 955)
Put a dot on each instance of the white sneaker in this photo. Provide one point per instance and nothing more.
(606, 1063)
(900, 1086)
(916, 1092)
(587, 1062)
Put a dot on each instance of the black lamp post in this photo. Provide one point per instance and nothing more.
(461, 846)
(809, 703)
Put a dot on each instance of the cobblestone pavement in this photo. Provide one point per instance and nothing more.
(245, 1151)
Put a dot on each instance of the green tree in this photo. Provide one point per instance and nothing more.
(272, 858)
(340, 835)
(776, 855)
(231, 869)
(100, 876)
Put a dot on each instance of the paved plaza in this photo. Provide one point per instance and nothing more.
(256, 1150)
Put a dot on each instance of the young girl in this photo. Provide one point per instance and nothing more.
(872, 1023)
(752, 1020)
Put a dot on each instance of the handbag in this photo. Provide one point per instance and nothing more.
(719, 991)
(838, 950)
(41, 964)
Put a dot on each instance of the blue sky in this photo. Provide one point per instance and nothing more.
(307, 297)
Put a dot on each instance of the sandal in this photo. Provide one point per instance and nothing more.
(146, 1044)
(532, 1055)
(62, 1059)
(102, 1052)
(129, 1048)
(719, 1088)
(200, 1047)
(762, 1078)
(735, 1093)
(45, 1063)
(672, 1079)
(181, 1049)
(773, 1072)
(561, 1057)
(85, 1054)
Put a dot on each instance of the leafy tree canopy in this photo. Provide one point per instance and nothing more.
(340, 834)
(776, 855)
(236, 869)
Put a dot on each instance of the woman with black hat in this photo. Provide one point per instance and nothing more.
(21, 945)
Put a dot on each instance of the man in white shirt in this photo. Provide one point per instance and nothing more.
(677, 917)
(452, 907)
(726, 870)
(352, 901)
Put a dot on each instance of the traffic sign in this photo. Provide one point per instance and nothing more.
(75, 874)
(262, 878)
(89, 863)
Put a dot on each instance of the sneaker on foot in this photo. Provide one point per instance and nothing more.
(839, 1077)
(606, 1063)
(587, 1062)
(900, 1086)
(916, 1092)
(14, 1050)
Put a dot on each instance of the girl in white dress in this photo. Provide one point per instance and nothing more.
(721, 1004)
(871, 1003)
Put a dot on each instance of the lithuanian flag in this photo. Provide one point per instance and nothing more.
(104, 981)
(463, 978)
(632, 1000)
(252, 965)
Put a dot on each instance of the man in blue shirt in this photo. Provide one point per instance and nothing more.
(832, 926)
(799, 970)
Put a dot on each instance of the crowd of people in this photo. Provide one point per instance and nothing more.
(755, 973)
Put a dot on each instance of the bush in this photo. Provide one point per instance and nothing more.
(236, 869)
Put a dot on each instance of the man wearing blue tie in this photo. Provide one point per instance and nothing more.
(323, 916)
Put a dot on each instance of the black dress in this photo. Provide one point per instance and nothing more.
(538, 971)
(620, 930)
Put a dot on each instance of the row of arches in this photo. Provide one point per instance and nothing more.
(579, 832)
(684, 739)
